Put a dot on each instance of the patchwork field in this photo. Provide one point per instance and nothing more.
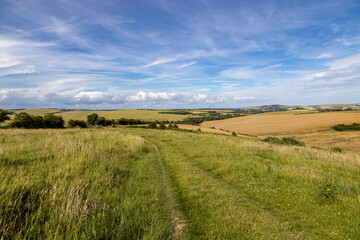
(126, 183)
(284, 122)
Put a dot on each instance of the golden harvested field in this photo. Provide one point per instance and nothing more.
(347, 140)
(262, 124)
(149, 115)
(37, 111)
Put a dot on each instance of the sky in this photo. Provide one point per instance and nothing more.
(178, 54)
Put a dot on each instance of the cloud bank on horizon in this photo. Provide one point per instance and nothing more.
(178, 54)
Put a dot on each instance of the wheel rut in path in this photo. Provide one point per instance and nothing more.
(178, 221)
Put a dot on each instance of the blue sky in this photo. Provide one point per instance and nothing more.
(178, 54)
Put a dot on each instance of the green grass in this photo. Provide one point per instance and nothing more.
(70, 184)
(232, 188)
(129, 183)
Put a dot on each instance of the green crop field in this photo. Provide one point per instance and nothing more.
(129, 183)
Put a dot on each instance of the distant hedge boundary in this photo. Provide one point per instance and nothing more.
(351, 127)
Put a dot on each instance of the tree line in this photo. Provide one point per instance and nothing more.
(25, 120)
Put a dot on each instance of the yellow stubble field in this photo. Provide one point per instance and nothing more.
(314, 129)
(264, 124)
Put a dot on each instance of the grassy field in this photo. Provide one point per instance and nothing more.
(149, 115)
(282, 122)
(70, 184)
(128, 183)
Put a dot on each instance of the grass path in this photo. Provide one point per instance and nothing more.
(237, 215)
(178, 221)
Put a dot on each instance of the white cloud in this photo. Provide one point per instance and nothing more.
(186, 65)
(325, 55)
(342, 73)
(243, 98)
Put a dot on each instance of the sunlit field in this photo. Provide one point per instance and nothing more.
(284, 122)
(131, 183)
(148, 115)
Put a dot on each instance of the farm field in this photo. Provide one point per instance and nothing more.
(129, 183)
(149, 115)
(345, 140)
(283, 122)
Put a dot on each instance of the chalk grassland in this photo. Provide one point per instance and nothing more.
(111, 183)
(261, 124)
(235, 188)
(71, 184)
(149, 115)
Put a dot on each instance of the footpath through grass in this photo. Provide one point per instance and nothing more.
(232, 188)
(128, 183)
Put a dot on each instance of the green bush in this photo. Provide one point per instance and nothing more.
(4, 115)
(77, 123)
(351, 127)
(52, 121)
(285, 141)
(22, 120)
(92, 118)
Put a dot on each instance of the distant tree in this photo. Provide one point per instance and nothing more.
(170, 126)
(101, 121)
(175, 126)
(234, 134)
(152, 125)
(38, 121)
(162, 125)
(91, 119)
(53, 121)
(4, 115)
(77, 123)
(108, 122)
(22, 120)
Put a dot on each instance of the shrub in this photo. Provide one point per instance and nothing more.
(152, 125)
(53, 121)
(91, 119)
(162, 125)
(351, 127)
(38, 122)
(233, 133)
(101, 121)
(285, 141)
(4, 115)
(336, 149)
(77, 123)
(22, 120)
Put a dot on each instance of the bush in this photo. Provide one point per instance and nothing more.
(77, 123)
(4, 115)
(162, 125)
(285, 141)
(351, 127)
(233, 133)
(22, 120)
(92, 118)
(152, 125)
(53, 121)
(336, 149)
(101, 121)
(38, 122)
